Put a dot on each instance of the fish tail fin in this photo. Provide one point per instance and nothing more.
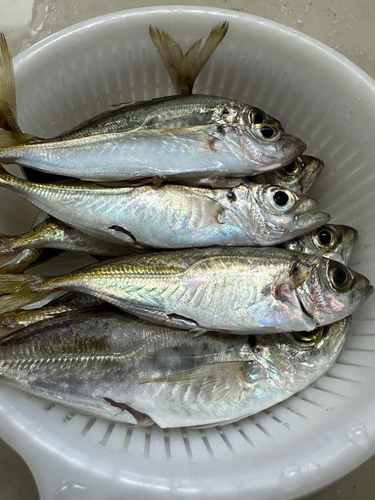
(5, 256)
(184, 69)
(11, 135)
(21, 290)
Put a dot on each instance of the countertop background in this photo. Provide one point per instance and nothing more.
(345, 25)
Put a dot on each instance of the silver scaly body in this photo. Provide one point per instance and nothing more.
(107, 364)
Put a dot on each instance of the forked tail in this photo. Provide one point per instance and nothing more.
(183, 68)
(21, 290)
(11, 135)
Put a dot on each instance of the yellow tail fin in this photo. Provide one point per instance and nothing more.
(184, 69)
(11, 135)
(21, 290)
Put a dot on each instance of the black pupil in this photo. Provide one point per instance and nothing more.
(267, 132)
(325, 237)
(281, 198)
(339, 276)
(258, 118)
(289, 169)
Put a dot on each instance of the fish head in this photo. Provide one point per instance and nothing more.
(299, 175)
(336, 240)
(263, 140)
(294, 360)
(332, 291)
(277, 213)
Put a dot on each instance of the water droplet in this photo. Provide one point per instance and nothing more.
(39, 428)
(329, 409)
(175, 484)
(315, 469)
(239, 483)
(72, 489)
(348, 115)
(357, 434)
(290, 478)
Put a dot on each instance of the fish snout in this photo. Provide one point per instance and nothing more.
(292, 148)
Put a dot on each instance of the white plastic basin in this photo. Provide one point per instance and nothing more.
(317, 435)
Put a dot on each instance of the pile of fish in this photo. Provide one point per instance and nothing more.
(219, 289)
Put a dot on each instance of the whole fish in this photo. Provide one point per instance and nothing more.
(336, 240)
(231, 289)
(53, 233)
(339, 248)
(174, 216)
(110, 365)
(299, 176)
(180, 137)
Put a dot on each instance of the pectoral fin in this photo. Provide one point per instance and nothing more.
(217, 380)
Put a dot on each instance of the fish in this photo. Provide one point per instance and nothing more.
(336, 240)
(107, 364)
(52, 233)
(226, 289)
(171, 216)
(188, 136)
(299, 176)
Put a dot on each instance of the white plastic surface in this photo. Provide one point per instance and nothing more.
(317, 435)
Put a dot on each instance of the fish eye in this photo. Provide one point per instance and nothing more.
(280, 199)
(256, 118)
(267, 132)
(340, 277)
(325, 238)
(292, 169)
(308, 338)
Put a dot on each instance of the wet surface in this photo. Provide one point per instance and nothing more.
(344, 25)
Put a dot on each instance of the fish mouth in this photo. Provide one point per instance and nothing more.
(349, 240)
(369, 291)
(306, 221)
(313, 168)
(292, 148)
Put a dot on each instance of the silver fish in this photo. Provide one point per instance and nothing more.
(53, 233)
(174, 216)
(299, 176)
(110, 365)
(231, 289)
(336, 240)
(186, 136)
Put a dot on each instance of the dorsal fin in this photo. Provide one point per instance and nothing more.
(184, 69)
